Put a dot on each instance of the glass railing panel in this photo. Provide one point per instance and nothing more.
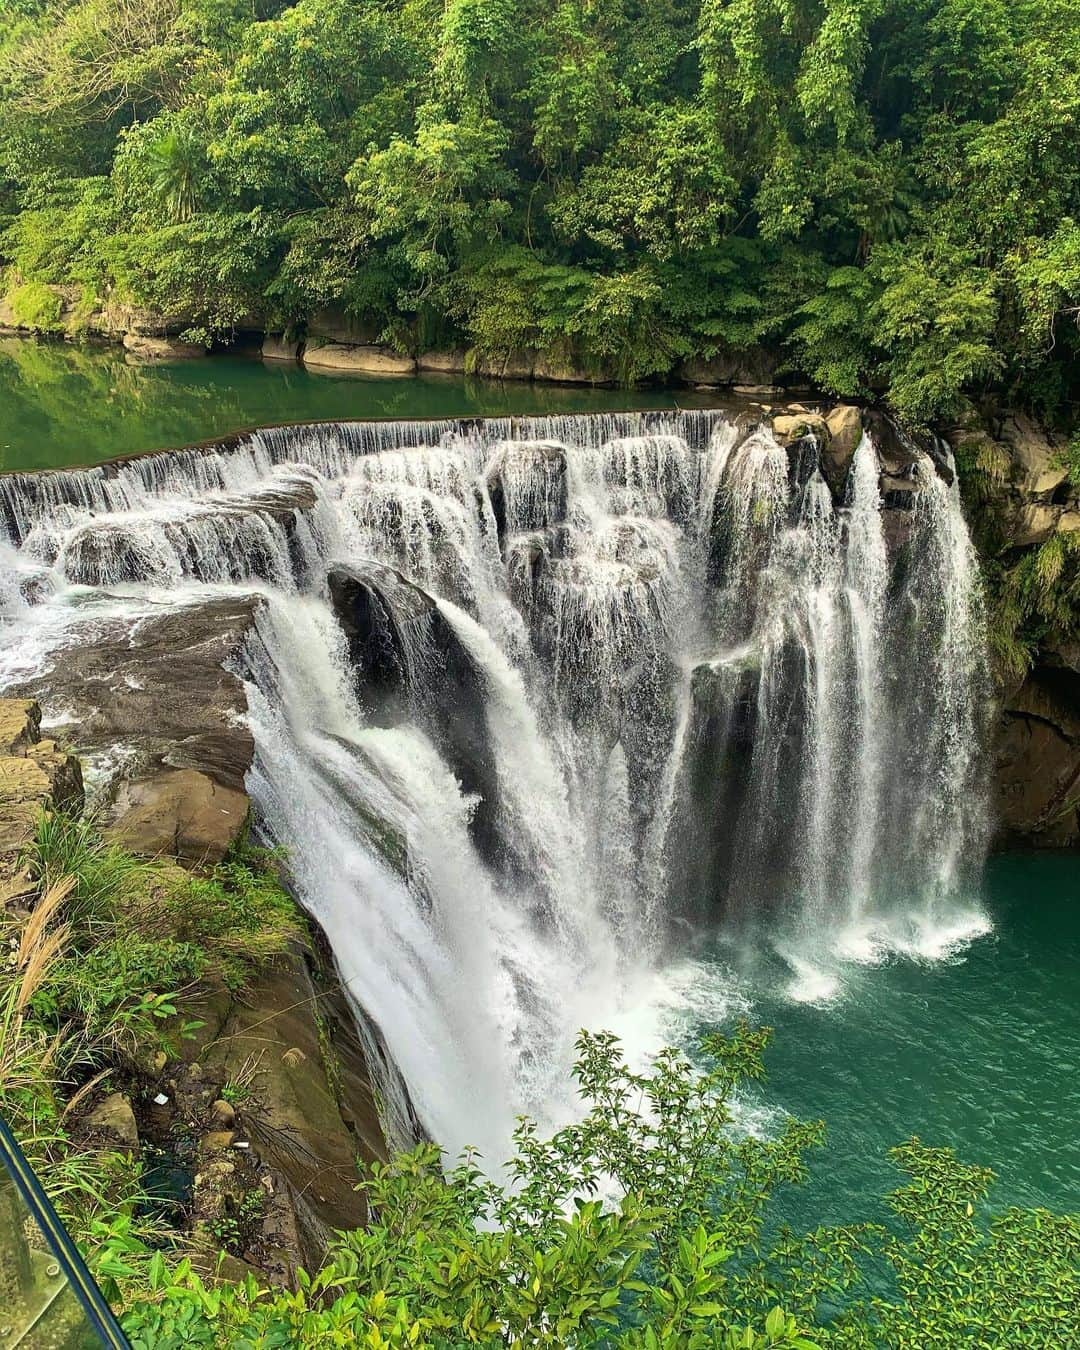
(48, 1300)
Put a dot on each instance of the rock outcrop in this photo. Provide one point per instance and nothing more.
(276, 347)
(307, 1114)
(184, 813)
(364, 360)
(114, 1120)
(1031, 501)
(35, 775)
(409, 662)
(159, 695)
(442, 362)
(845, 428)
(516, 365)
(142, 348)
(754, 368)
(277, 1171)
(1038, 761)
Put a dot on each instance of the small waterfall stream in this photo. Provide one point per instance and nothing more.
(534, 700)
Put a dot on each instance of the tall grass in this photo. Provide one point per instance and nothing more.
(103, 956)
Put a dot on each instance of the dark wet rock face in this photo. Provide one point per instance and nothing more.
(409, 663)
(1038, 761)
(1024, 501)
(387, 622)
(721, 741)
(527, 487)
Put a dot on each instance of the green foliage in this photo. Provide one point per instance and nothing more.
(643, 1227)
(1033, 593)
(33, 305)
(232, 1230)
(647, 1224)
(1069, 460)
(104, 957)
(935, 316)
(451, 1258)
(897, 184)
(175, 171)
(1014, 1282)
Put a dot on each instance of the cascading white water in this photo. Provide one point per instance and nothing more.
(692, 683)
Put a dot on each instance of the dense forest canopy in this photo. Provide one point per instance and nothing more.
(885, 191)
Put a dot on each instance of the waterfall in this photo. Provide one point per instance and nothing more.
(533, 698)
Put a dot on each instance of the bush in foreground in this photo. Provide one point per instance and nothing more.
(648, 1224)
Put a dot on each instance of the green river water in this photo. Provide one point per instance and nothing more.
(65, 405)
(980, 1050)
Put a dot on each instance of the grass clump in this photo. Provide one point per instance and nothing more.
(35, 305)
(106, 954)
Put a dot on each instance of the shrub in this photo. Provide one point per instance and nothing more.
(36, 306)
(649, 1225)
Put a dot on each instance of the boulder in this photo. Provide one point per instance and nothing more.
(1069, 522)
(1033, 524)
(276, 347)
(217, 1141)
(443, 363)
(118, 319)
(115, 1119)
(409, 663)
(382, 615)
(753, 368)
(898, 451)
(1033, 455)
(141, 347)
(527, 480)
(222, 1114)
(898, 493)
(791, 427)
(359, 359)
(845, 428)
(181, 813)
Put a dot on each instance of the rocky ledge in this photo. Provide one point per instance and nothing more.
(35, 775)
(159, 719)
(305, 1114)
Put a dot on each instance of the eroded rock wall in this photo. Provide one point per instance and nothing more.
(1024, 500)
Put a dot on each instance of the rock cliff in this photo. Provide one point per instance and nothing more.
(307, 1114)
(1024, 506)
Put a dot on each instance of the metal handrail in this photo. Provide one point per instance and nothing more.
(98, 1313)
